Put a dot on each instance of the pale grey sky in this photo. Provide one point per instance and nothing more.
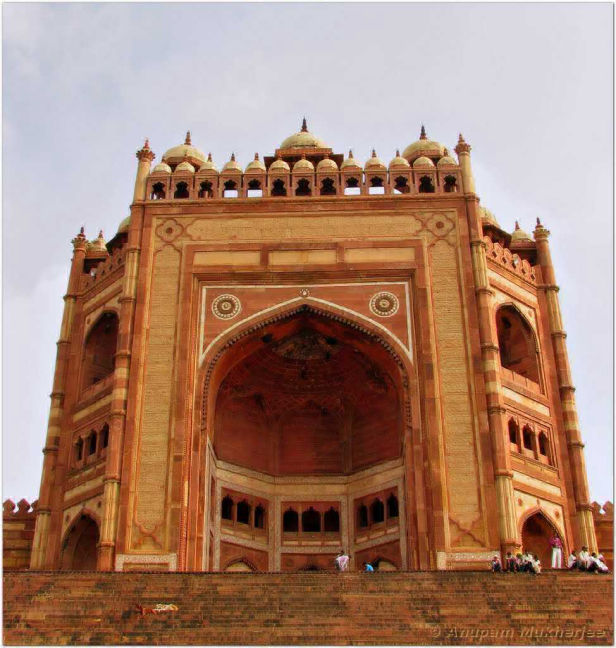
(529, 85)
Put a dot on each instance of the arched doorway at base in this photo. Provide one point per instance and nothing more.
(80, 549)
(536, 533)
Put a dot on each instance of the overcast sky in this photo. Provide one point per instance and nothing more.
(529, 85)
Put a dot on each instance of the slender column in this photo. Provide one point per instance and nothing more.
(490, 356)
(40, 557)
(117, 417)
(567, 391)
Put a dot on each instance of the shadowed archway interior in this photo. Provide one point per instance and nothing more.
(307, 396)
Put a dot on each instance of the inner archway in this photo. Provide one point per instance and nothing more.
(80, 552)
(309, 396)
(536, 534)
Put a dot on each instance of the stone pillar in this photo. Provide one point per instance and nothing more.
(464, 157)
(40, 556)
(117, 417)
(490, 360)
(567, 391)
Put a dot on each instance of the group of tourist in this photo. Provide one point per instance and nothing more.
(530, 563)
(589, 562)
(342, 563)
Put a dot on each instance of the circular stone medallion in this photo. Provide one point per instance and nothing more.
(226, 306)
(384, 304)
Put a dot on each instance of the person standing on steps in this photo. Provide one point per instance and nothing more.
(342, 561)
(557, 551)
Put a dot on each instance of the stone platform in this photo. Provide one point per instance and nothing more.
(308, 608)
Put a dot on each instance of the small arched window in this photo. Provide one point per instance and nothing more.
(158, 191)
(206, 190)
(278, 188)
(243, 512)
(79, 450)
(230, 189)
(92, 443)
(181, 190)
(226, 512)
(104, 436)
(328, 187)
(401, 185)
(311, 521)
(450, 184)
(544, 445)
(259, 517)
(376, 186)
(513, 432)
(362, 516)
(290, 521)
(351, 187)
(331, 521)
(392, 506)
(516, 343)
(377, 511)
(426, 185)
(100, 348)
(527, 438)
(303, 187)
(254, 189)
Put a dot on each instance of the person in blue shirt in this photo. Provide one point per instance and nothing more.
(368, 567)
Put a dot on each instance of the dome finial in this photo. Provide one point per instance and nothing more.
(538, 222)
(351, 153)
(517, 225)
(146, 144)
(397, 152)
(304, 126)
(209, 157)
(100, 234)
(445, 151)
(422, 135)
(187, 140)
(373, 153)
(232, 157)
(256, 156)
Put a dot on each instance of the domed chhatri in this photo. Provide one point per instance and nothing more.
(124, 225)
(255, 165)
(186, 151)
(303, 165)
(398, 161)
(423, 146)
(446, 160)
(423, 163)
(519, 238)
(232, 164)
(488, 217)
(303, 139)
(374, 162)
(97, 247)
(327, 164)
(280, 165)
(162, 167)
(208, 165)
(185, 167)
(350, 162)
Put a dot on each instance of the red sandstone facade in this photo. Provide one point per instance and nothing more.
(265, 365)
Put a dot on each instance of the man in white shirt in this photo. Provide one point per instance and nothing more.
(584, 559)
(572, 561)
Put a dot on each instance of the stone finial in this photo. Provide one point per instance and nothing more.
(539, 222)
(145, 152)
(100, 235)
(256, 157)
(350, 154)
(373, 153)
(397, 152)
(462, 146)
(146, 144)
(445, 151)
(422, 134)
(304, 126)
(187, 141)
(540, 231)
(80, 240)
(232, 157)
(517, 225)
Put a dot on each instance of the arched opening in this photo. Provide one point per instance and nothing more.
(376, 186)
(243, 512)
(254, 189)
(351, 187)
(311, 521)
(226, 509)
(206, 190)
(259, 517)
(303, 188)
(230, 189)
(536, 534)
(278, 188)
(290, 521)
(401, 185)
(100, 348)
(78, 453)
(328, 187)
(239, 566)
(543, 446)
(377, 511)
(426, 185)
(181, 190)
(79, 551)
(392, 506)
(331, 521)
(91, 443)
(513, 432)
(104, 434)
(527, 438)
(158, 191)
(516, 342)
(450, 184)
(362, 516)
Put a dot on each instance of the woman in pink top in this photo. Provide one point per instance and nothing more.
(557, 551)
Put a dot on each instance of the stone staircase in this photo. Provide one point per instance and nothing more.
(313, 608)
